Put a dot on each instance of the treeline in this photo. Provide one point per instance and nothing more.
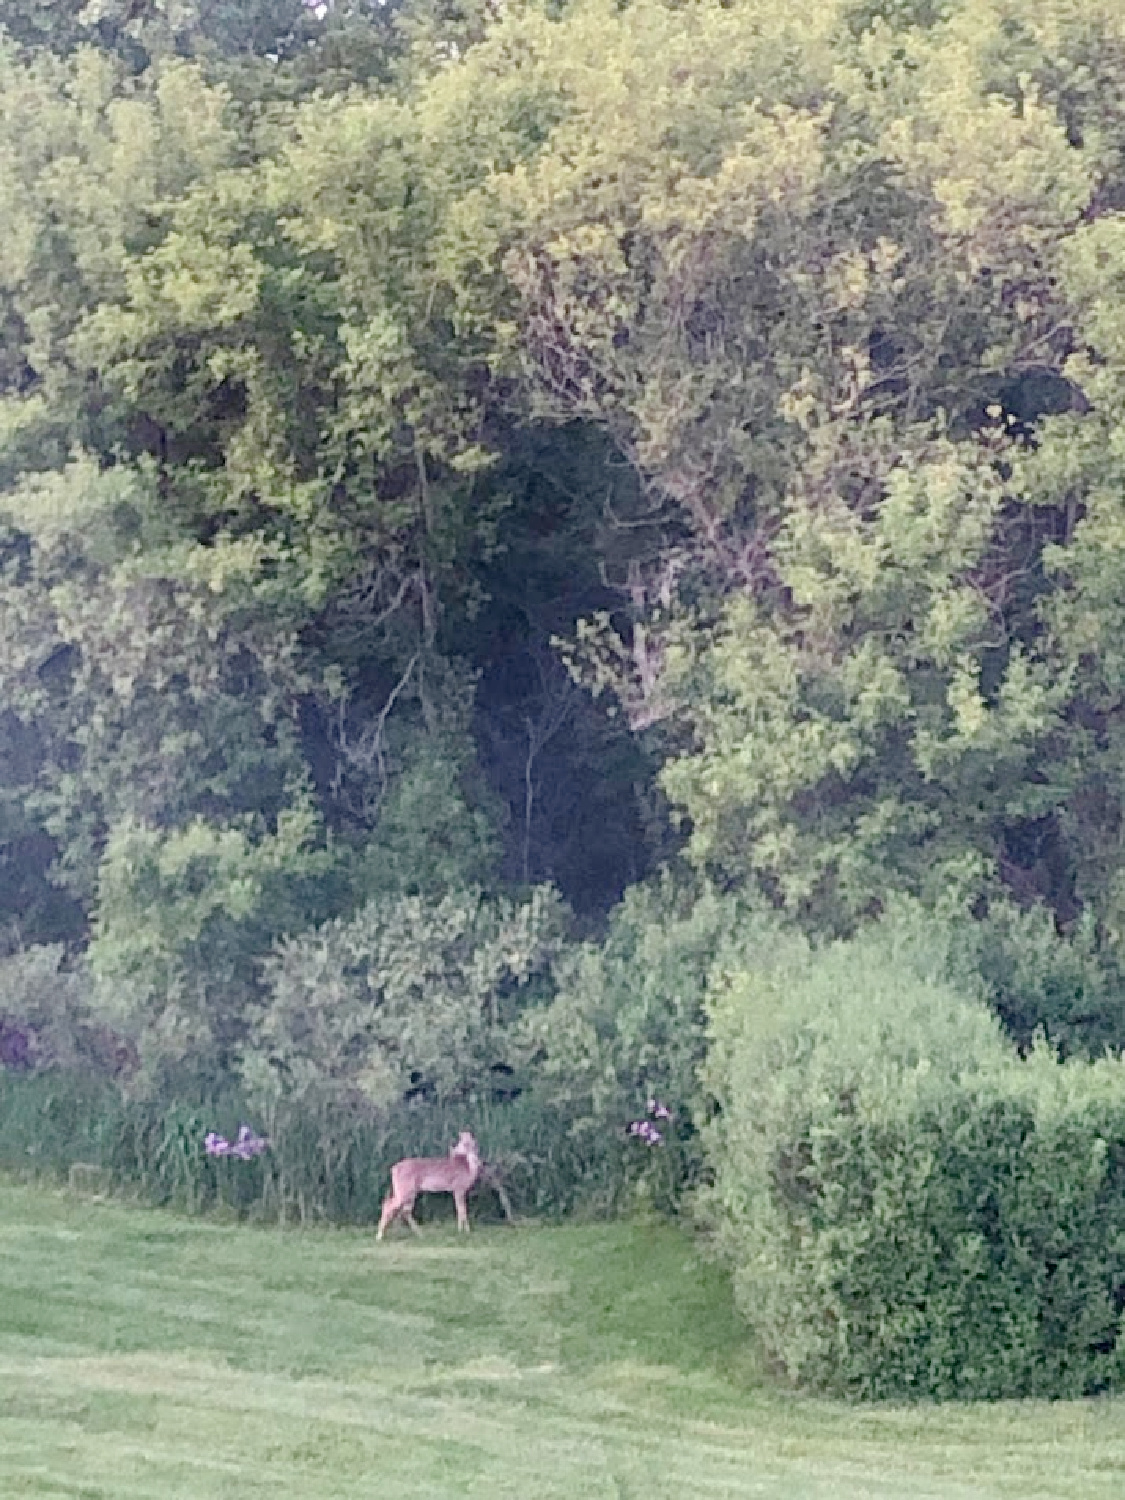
(511, 518)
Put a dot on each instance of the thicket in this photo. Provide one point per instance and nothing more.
(348, 430)
(365, 1039)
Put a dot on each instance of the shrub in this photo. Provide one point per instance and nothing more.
(45, 1017)
(409, 998)
(1067, 987)
(908, 1208)
(627, 1023)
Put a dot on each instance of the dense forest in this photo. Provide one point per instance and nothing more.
(542, 543)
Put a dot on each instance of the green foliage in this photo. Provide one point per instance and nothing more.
(1066, 988)
(91, 158)
(791, 290)
(791, 413)
(45, 1007)
(890, 760)
(626, 1023)
(142, 31)
(138, 665)
(756, 300)
(429, 839)
(908, 1209)
(182, 918)
(411, 997)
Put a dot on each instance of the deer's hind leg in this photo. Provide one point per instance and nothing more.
(408, 1216)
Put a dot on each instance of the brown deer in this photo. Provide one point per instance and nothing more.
(456, 1173)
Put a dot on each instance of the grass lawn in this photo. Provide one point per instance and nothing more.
(145, 1355)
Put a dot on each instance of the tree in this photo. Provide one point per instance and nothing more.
(328, 412)
(820, 325)
(181, 922)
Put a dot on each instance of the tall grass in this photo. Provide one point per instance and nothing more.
(328, 1164)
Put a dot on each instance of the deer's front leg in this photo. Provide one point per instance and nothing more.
(462, 1212)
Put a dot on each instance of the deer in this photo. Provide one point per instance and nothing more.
(456, 1173)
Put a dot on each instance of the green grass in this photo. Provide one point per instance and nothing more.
(144, 1355)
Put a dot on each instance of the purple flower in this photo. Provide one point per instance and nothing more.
(658, 1110)
(245, 1148)
(646, 1131)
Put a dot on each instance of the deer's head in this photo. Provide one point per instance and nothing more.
(467, 1147)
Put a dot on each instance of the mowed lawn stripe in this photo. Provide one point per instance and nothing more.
(347, 1430)
(149, 1356)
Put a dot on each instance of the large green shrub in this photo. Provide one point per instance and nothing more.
(908, 1208)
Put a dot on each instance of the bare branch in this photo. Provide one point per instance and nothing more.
(363, 761)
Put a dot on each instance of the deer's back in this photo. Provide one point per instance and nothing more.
(434, 1174)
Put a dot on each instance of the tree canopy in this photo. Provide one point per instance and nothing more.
(521, 444)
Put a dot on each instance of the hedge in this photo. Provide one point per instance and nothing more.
(908, 1208)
